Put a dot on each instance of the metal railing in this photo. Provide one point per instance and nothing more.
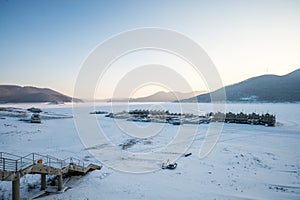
(75, 161)
(11, 162)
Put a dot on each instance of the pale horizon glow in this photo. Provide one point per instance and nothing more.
(44, 43)
(126, 64)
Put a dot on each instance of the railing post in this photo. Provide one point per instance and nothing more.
(16, 165)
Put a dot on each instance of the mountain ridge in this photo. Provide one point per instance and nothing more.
(26, 94)
(264, 88)
(162, 96)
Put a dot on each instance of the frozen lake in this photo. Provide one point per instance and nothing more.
(247, 162)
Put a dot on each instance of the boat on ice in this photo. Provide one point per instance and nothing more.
(35, 118)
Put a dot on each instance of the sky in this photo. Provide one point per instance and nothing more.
(44, 43)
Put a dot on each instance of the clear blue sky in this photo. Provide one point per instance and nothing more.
(44, 42)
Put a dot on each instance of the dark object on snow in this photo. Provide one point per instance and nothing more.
(172, 166)
(168, 165)
(34, 110)
(174, 121)
(111, 115)
(243, 118)
(35, 118)
(187, 154)
(99, 112)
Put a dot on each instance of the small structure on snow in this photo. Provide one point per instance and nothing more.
(34, 110)
(169, 165)
(35, 118)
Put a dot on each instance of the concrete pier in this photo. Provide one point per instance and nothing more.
(43, 181)
(59, 182)
(16, 188)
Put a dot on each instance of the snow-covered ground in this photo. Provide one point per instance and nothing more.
(248, 161)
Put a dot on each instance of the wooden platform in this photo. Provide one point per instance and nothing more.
(13, 167)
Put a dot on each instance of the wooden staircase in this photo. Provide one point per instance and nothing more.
(13, 167)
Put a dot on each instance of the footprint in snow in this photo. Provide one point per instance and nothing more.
(104, 175)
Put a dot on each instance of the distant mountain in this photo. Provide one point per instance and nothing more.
(266, 88)
(166, 96)
(162, 97)
(18, 94)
